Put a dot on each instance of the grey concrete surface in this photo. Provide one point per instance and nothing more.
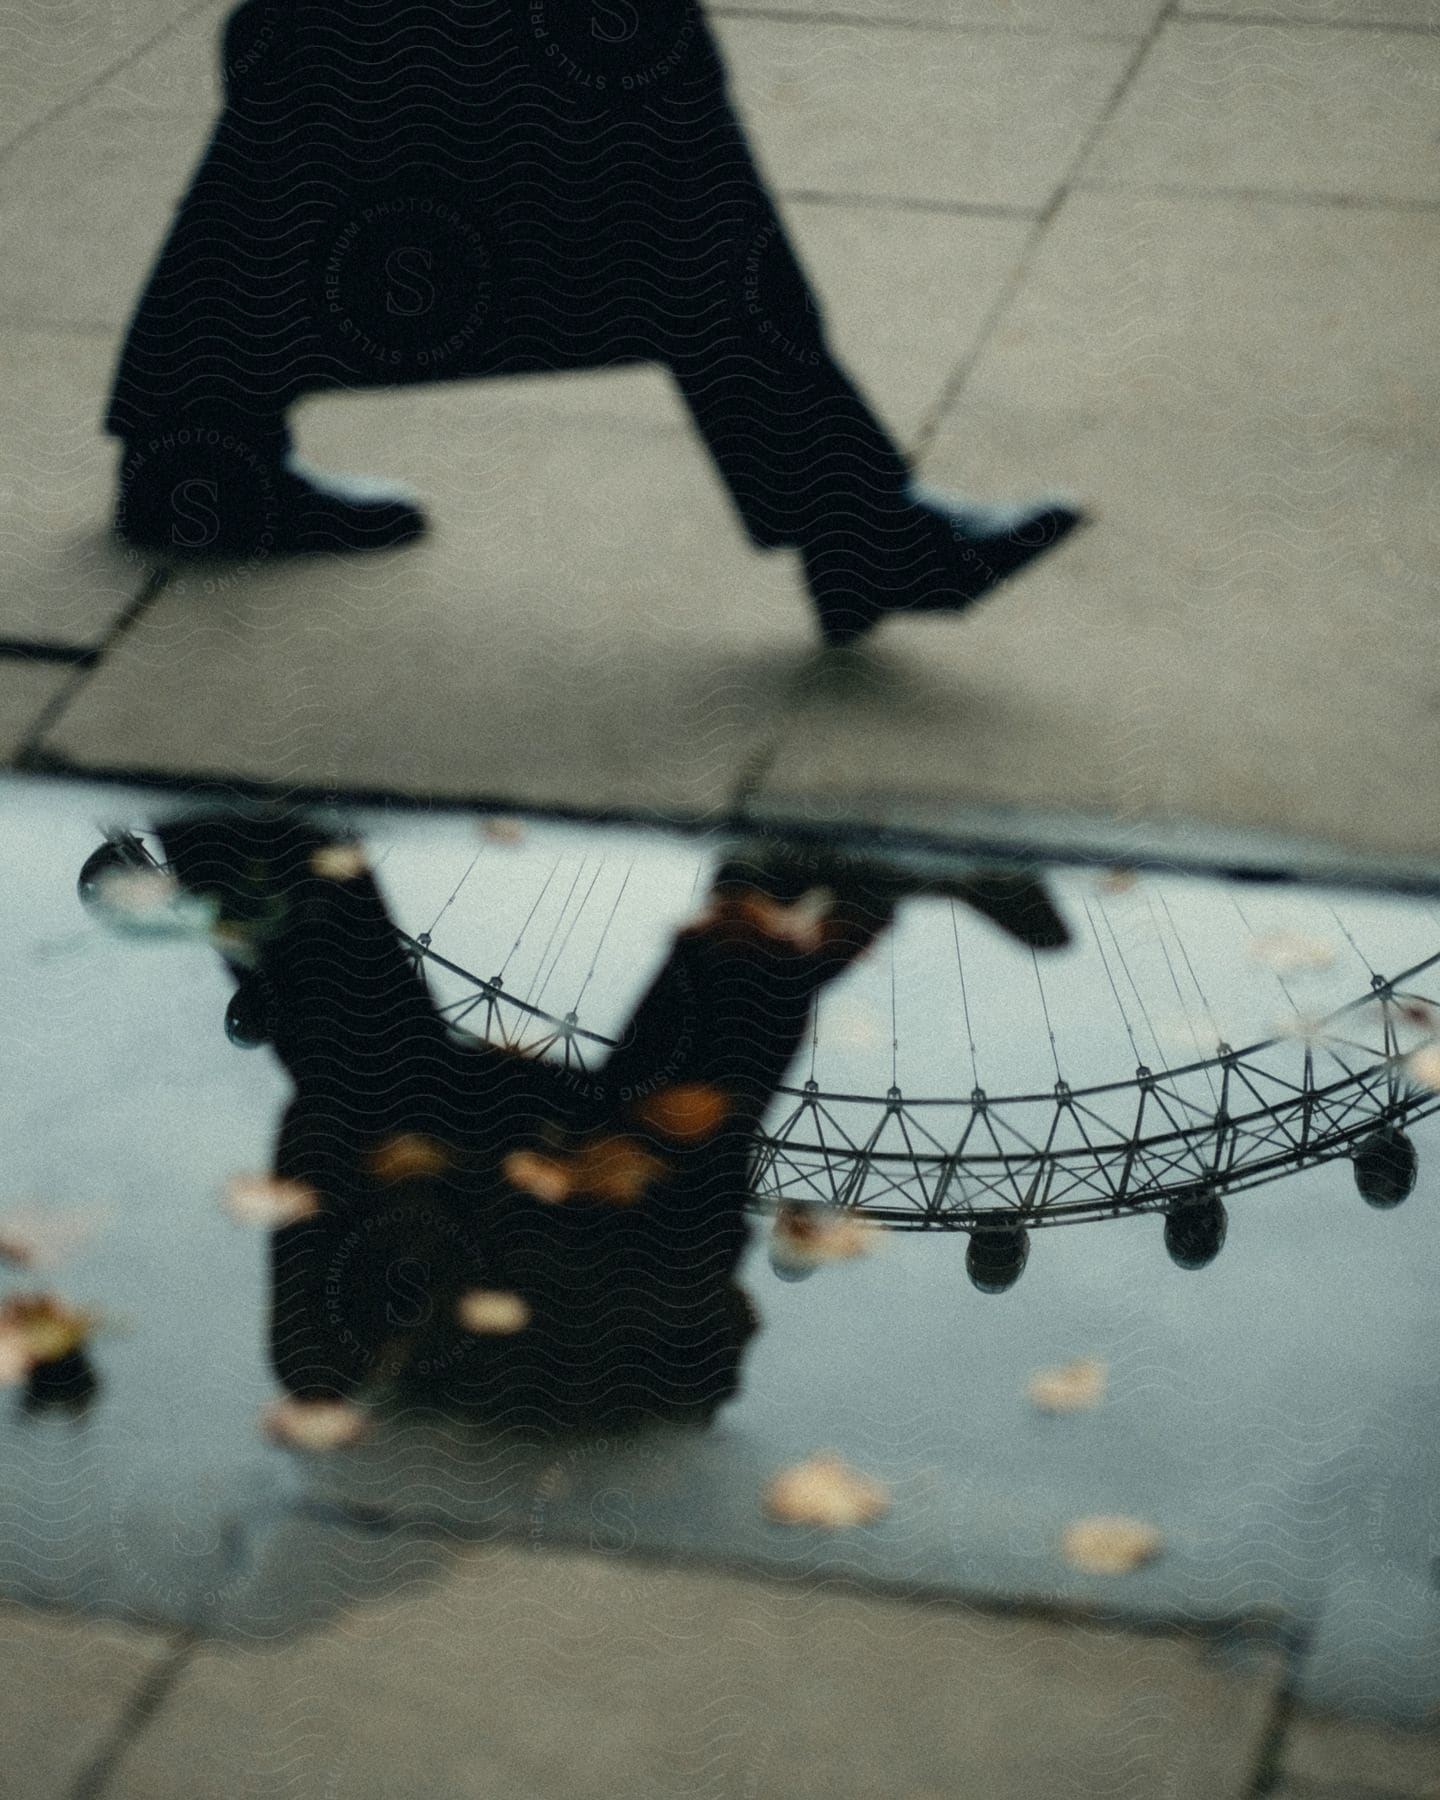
(1241, 389)
(575, 1676)
(66, 1690)
(26, 689)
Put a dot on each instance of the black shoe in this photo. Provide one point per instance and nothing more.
(943, 557)
(222, 500)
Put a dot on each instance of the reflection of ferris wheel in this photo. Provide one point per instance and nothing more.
(1172, 1138)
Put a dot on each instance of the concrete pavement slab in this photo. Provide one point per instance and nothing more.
(51, 56)
(586, 627)
(1327, 1749)
(572, 1675)
(1225, 105)
(960, 119)
(1261, 572)
(86, 202)
(67, 1685)
(64, 579)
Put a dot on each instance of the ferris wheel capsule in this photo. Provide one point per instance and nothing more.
(995, 1259)
(247, 1020)
(1195, 1232)
(1386, 1167)
(115, 856)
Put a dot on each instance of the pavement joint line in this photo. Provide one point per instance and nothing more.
(1262, 859)
(29, 747)
(902, 203)
(1099, 184)
(142, 1706)
(1294, 1647)
(951, 391)
(77, 100)
(1373, 25)
(1302, 1787)
(778, 15)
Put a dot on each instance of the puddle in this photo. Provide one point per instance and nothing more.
(1193, 1148)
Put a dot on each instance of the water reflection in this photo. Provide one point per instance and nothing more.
(554, 1246)
(1246, 1407)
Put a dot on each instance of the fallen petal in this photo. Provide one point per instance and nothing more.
(270, 1201)
(1073, 1388)
(492, 1312)
(314, 1425)
(1110, 1545)
(501, 830)
(825, 1491)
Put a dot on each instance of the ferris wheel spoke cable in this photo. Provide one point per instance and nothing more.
(1134, 985)
(1114, 988)
(1180, 996)
(529, 916)
(554, 929)
(565, 941)
(455, 896)
(1045, 1009)
(605, 933)
(964, 995)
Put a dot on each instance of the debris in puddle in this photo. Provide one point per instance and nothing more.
(1075, 1387)
(1110, 1544)
(805, 1236)
(269, 1201)
(825, 1491)
(1292, 952)
(314, 1425)
(339, 862)
(492, 1312)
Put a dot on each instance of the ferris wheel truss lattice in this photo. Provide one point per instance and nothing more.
(1161, 1141)
(1052, 1157)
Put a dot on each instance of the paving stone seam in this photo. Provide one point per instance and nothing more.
(50, 713)
(890, 203)
(953, 388)
(142, 1706)
(1100, 184)
(953, 27)
(1188, 17)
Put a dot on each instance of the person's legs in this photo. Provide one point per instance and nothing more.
(806, 460)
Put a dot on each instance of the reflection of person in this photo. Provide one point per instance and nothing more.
(507, 187)
(586, 1227)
